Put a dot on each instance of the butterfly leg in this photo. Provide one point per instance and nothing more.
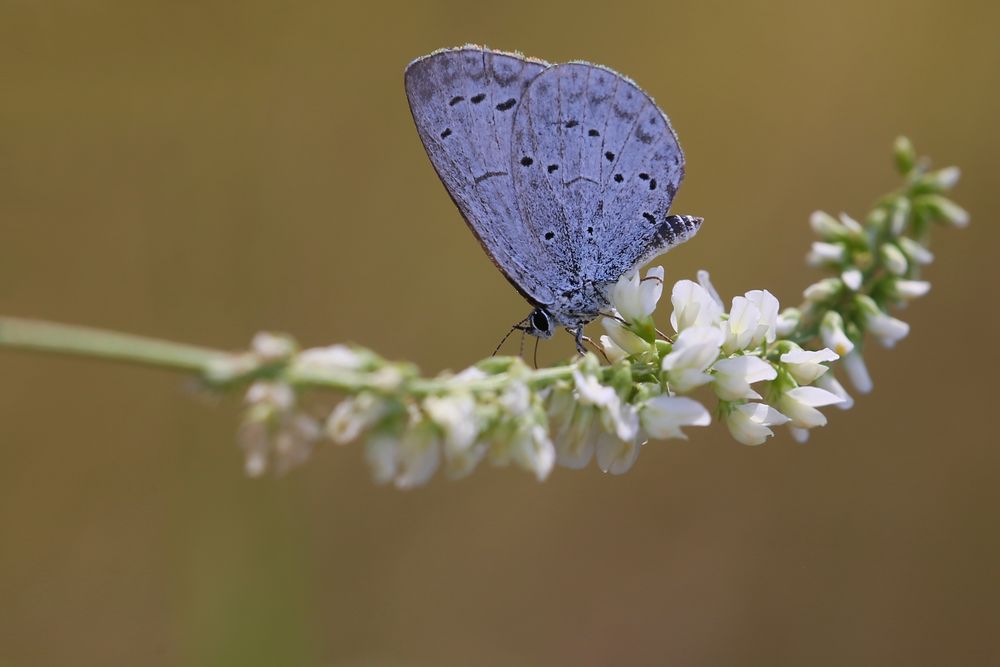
(579, 338)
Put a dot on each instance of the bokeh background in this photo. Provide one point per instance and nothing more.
(204, 170)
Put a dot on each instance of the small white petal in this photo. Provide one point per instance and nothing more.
(664, 416)
(615, 456)
(748, 423)
(800, 435)
(830, 383)
(910, 289)
(852, 278)
(916, 251)
(592, 392)
(693, 306)
(857, 371)
(611, 349)
(807, 365)
(625, 339)
(732, 377)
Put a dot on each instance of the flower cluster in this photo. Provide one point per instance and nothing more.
(758, 365)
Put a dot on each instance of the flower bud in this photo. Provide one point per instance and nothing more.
(893, 258)
(905, 155)
(944, 209)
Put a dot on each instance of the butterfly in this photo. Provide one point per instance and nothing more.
(565, 173)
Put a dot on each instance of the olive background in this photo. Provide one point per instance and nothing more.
(201, 171)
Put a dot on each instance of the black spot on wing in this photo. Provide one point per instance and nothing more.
(476, 99)
(446, 133)
(455, 100)
(504, 106)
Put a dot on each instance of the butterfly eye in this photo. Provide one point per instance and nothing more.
(539, 321)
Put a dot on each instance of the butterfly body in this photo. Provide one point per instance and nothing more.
(565, 173)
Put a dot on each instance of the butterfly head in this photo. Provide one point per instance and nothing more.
(539, 323)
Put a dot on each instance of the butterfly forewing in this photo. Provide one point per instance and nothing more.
(464, 102)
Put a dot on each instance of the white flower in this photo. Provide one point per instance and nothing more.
(381, 453)
(831, 330)
(741, 326)
(294, 441)
(612, 350)
(276, 395)
(330, 358)
(807, 365)
(787, 321)
(533, 450)
(515, 399)
(575, 441)
(767, 306)
(943, 179)
(635, 299)
(852, 226)
(826, 253)
(886, 328)
(272, 347)
(592, 392)
(800, 435)
(895, 260)
(693, 352)
(352, 416)
(748, 423)
(857, 371)
(617, 418)
(622, 419)
(623, 338)
(829, 382)
(615, 456)
(917, 252)
(800, 404)
(693, 306)
(705, 280)
(910, 289)
(663, 416)
(945, 209)
(455, 414)
(826, 226)
(822, 290)
(732, 377)
(418, 456)
(853, 278)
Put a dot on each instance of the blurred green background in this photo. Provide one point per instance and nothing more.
(204, 170)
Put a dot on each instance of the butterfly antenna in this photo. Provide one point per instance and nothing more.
(535, 356)
(520, 352)
(503, 340)
(600, 350)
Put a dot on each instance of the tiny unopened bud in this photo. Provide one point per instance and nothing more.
(944, 209)
(852, 278)
(823, 290)
(894, 259)
(942, 179)
(900, 216)
(910, 289)
(826, 226)
(916, 251)
(905, 155)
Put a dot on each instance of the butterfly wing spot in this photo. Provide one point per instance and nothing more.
(609, 156)
(504, 106)
(476, 99)
(455, 100)
(526, 161)
(644, 176)
(446, 133)
(590, 230)
(650, 218)
(593, 133)
(552, 167)
(652, 184)
(619, 178)
(549, 236)
(571, 124)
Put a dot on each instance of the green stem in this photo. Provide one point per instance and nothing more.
(24, 334)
